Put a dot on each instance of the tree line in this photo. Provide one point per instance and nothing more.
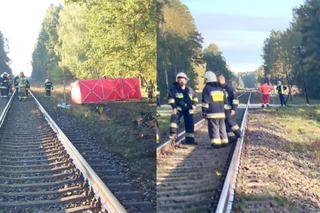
(4, 59)
(179, 48)
(95, 39)
(293, 55)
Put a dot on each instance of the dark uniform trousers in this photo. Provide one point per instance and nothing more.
(188, 123)
(4, 88)
(217, 132)
(48, 91)
(232, 127)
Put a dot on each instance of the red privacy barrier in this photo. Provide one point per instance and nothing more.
(102, 90)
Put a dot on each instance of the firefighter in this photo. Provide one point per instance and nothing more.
(23, 85)
(266, 89)
(233, 129)
(48, 86)
(10, 84)
(4, 85)
(213, 101)
(158, 97)
(149, 90)
(281, 90)
(183, 101)
(16, 84)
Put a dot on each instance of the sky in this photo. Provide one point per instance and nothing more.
(20, 23)
(239, 27)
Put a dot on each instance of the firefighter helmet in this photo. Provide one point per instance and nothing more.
(182, 75)
(209, 76)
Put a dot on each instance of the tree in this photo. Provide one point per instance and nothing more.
(112, 38)
(284, 62)
(44, 58)
(4, 59)
(216, 62)
(179, 45)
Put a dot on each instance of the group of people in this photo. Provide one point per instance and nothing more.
(266, 89)
(219, 106)
(21, 84)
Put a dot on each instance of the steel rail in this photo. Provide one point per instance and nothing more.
(108, 200)
(6, 109)
(227, 194)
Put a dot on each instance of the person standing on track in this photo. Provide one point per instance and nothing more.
(23, 85)
(183, 101)
(213, 101)
(4, 85)
(158, 97)
(16, 84)
(233, 129)
(281, 90)
(266, 89)
(48, 86)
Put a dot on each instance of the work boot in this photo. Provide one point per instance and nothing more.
(238, 133)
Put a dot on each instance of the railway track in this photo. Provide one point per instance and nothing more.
(107, 165)
(41, 171)
(193, 178)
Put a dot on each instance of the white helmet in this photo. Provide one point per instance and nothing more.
(47, 80)
(209, 76)
(182, 75)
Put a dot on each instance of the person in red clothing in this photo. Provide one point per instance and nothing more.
(266, 89)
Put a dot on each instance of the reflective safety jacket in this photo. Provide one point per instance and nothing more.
(266, 89)
(213, 101)
(4, 82)
(232, 99)
(182, 99)
(23, 82)
(48, 85)
(281, 89)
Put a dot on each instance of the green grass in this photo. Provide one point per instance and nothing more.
(302, 125)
